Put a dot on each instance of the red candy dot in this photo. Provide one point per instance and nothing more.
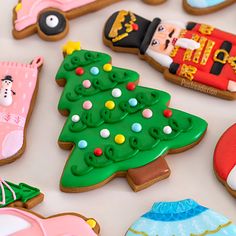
(131, 86)
(98, 152)
(79, 71)
(167, 113)
(135, 27)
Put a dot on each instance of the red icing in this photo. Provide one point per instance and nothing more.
(135, 27)
(98, 152)
(79, 71)
(224, 156)
(167, 113)
(131, 86)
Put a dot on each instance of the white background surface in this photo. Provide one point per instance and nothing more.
(116, 206)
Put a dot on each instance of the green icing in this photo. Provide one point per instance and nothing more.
(84, 168)
(23, 193)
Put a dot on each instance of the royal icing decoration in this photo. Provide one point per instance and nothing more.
(82, 144)
(185, 217)
(225, 159)
(105, 133)
(197, 7)
(23, 194)
(19, 222)
(127, 131)
(193, 55)
(116, 93)
(75, 118)
(18, 85)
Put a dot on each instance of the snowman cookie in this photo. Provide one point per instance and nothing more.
(225, 159)
(6, 91)
(19, 83)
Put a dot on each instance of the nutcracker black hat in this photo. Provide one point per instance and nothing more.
(7, 77)
(125, 29)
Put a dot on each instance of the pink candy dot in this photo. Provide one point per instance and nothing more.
(86, 83)
(147, 113)
(87, 105)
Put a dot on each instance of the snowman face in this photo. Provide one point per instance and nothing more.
(7, 84)
(164, 38)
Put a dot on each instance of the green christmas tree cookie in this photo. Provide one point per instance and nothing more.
(115, 127)
(21, 195)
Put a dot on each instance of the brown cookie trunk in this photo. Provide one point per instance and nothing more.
(29, 204)
(138, 178)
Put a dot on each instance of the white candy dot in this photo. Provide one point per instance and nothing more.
(105, 133)
(167, 130)
(75, 118)
(116, 93)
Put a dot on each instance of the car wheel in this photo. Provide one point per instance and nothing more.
(52, 23)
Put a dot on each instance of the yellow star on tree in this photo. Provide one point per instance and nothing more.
(71, 46)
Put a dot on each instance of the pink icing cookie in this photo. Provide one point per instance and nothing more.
(18, 87)
(225, 159)
(17, 222)
(50, 17)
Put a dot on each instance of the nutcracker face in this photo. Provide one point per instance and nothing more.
(164, 38)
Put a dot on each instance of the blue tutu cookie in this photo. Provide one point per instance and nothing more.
(185, 218)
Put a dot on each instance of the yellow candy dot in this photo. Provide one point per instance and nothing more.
(107, 67)
(120, 139)
(110, 105)
(92, 223)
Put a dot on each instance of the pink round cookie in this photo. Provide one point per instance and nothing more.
(19, 222)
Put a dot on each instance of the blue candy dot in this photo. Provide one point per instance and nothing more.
(136, 127)
(82, 144)
(133, 102)
(94, 71)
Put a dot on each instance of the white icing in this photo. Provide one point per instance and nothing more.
(75, 118)
(231, 179)
(187, 43)
(52, 21)
(163, 59)
(10, 224)
(167, 130)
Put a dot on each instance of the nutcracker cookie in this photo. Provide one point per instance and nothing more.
(185, 217)
(18, 89)
(19, 222)
(115, 127)
(197, 7)
(225, 159)
(21, 195)
(196, 56)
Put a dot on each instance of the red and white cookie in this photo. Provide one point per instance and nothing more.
(225, 159)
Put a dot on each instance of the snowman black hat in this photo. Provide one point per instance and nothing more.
(125, 29)
(8, 77)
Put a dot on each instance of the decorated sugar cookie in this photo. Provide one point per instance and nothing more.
(196, 56)
(185, 217)
(18, 89)
(19, 222)
(199, 7)
(21, 195)
(50, 18)
(115, 127)
(225, 159)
